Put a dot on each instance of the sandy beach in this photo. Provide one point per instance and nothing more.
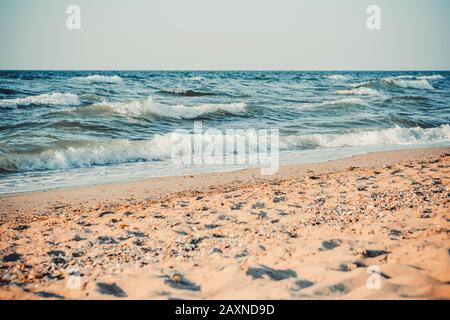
(372, 226)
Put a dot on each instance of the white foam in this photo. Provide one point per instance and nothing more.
(414, 84)
(160, 147)
(391, 136)
(87, 154)
(337, 77)
(363, 91)
(150, 108)
(336, 103)
(432, 77)
(198, 78)
(99, 78)
(55, 98)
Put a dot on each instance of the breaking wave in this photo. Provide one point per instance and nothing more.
(391, 136)
(337, 77)
(336, 103)
(55, 98)
(149, 108)
(405, 81)
(99, 78)
(80, 154)
(360, 91)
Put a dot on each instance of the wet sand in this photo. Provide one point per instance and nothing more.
(373, 226)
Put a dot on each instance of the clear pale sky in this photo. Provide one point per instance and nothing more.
(225, 35)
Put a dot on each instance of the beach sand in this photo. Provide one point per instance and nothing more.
(372, 226)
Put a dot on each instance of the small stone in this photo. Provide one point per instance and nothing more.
(177, 281)
(104, 213)
(274, 274)
(236, 206)
(426, 214)
(278, 199)
(258, 205)
(111, 289)
(211, 226)
(302, 284)
(331, 244)
(106, 240)
(12, 257)
(20, 227)
(56, 253)
(374, 253)
(44, 294)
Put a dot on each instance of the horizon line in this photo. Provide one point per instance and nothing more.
(239, 70)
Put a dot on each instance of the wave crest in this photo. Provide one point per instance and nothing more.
(337, 77)
(99, 78)
(363, 91)
(54, 98)
(149, 108)
(337, 103)
(391, 136)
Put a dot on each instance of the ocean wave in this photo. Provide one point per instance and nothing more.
(82, 154)
(414, 84)
(337, 77)
(55, 98)
(186, 93)
(391, 136)
(363, 91)
(149, 108)
(99, 78)
(197, 78)
(336, 103)
(404, 81)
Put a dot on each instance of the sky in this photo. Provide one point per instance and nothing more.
(225, 35)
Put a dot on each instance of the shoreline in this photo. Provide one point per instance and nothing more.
(159, 186)
(313, 231)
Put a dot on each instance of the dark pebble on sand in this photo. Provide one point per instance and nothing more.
(104, 213)
(44, 294)
(12, 257)
(56, 253)
(111, 289)
(211, 226)
(106, 240)
(137, 234)
(395, 233)
(78, 238)
(331, 244)
(278, 199)
(59, 261)
(258, 205)
(236, 206)
(302, 284)
(374, 253)
(20, 227)
(84, 223)
(177, 281)
(437, 181)
(274, 274)
(426, 214)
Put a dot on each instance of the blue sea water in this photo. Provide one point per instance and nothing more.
(71, 128)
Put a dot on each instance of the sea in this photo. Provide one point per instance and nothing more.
(61, 129)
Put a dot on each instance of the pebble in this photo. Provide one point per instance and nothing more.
(111, 289)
